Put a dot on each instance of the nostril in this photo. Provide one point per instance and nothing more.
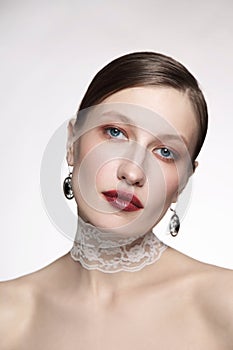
(131, 174)
(139, 183)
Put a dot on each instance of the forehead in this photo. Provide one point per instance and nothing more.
(159, 110)
(170, 104)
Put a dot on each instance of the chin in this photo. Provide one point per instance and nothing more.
(105, 220)
(121, 223)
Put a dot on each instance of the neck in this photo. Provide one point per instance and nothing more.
(105, 286)
(99, 251)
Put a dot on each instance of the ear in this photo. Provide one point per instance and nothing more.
(70, 142)
(175, 197)
(195, 166)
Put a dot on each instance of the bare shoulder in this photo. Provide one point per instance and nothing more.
(16, 305)
(19, 300)
(217, 298)
(212, 290)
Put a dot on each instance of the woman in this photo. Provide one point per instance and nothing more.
(133, 148)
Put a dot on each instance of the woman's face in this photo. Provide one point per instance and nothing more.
(132, 158)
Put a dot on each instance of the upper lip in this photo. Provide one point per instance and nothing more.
(126, 196)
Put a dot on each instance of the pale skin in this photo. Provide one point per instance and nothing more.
(175, 303)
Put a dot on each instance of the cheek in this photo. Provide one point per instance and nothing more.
(163, 187)
(106, 176)
(172, 178)
(176, 179)
(96, 166)
(84, 145)
(95, 172)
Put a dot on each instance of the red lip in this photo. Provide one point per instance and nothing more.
(125, 201)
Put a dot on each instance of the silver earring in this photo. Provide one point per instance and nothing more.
(67, 186)
(174, 224)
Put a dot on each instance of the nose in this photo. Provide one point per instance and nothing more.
(131, 173)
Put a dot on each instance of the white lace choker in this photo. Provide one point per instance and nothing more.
(97, 251)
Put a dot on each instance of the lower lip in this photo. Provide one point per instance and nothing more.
(121, 204)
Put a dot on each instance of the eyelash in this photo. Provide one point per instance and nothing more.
(107, 130)
(174, 155)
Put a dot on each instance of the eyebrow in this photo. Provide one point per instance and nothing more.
(120, 116)
(124, 119)
(172, 137)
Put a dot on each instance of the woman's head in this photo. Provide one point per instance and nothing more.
(137, 146)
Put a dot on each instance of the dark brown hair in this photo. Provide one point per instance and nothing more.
(148, 69)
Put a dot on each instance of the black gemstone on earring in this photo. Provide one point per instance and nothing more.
(174, 225)
(67, 188)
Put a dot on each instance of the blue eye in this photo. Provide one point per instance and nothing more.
(115, 133)
(165, 153)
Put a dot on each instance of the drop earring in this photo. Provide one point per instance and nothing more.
(67, 186)
(174, 224)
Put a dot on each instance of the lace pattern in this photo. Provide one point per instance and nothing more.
(96, 250)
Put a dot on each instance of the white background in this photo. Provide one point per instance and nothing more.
(50, 50)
